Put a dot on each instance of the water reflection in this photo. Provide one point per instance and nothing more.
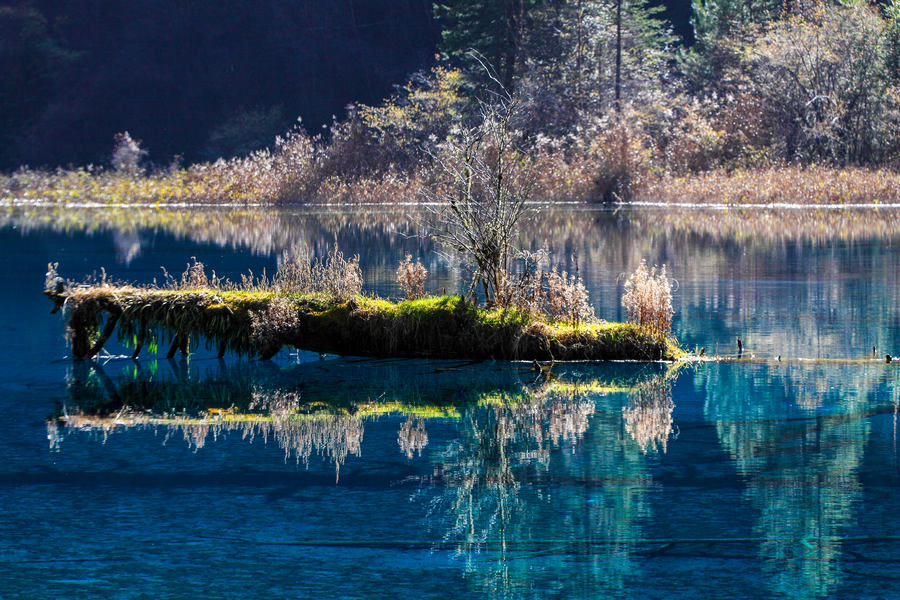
(530, 487)
(798, 436)
(809, 283)
(595, 481)
(321, 407)
(561, 485)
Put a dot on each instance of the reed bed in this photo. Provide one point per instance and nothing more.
(788, 185)
(557, 178)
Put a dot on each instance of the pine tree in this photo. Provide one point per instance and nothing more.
(495, 29)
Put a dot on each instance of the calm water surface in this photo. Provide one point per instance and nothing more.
(350, 477)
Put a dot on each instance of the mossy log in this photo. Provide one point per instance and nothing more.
(260, 323)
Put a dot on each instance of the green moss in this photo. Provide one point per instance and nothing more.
(439, 327)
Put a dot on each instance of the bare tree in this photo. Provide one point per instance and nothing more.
(487, 183)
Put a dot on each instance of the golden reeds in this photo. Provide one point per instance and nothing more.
(648, 299)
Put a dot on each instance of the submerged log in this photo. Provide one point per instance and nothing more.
(179, 342)
(83, 350)
(260, 323)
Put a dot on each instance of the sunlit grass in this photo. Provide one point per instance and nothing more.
(319, 311)
(789, 185)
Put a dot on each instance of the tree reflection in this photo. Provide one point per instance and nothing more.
(587, 508)
(546, 469)
(797, 435)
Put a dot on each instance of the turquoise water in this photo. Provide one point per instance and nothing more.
(349, 477)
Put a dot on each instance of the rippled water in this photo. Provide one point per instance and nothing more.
(352, 477)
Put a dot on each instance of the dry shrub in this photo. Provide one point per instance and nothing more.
(333, 275)
(411, 277)
(562, 172)
(52, 280)
(690, 135)
(567, 299)
(622, 161)
(648, 299)
(194, 277)
(487, 183)
(552, 294)
(127, 154)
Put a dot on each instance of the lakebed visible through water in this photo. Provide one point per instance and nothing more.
(351, 477)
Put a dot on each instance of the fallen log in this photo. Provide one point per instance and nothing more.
(259, 323)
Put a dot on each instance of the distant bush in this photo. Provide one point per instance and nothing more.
(419, 116)
(823, 75)
(127, 154)
(622, 161)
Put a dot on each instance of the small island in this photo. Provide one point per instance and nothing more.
(319, 306)
(261, 323)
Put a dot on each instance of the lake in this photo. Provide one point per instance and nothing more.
(346, 477)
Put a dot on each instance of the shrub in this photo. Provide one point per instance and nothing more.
(622, 162)
(824, 77)
(411, 277)
(567, 299)
(648, 299)
(333, 275)
(552, 294)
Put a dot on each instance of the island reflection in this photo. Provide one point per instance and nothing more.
(321, 407)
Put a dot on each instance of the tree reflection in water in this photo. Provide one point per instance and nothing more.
(555, 469)
(522, 481)
(328, 417)
(797, 434)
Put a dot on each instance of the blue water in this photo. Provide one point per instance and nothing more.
(756, 478)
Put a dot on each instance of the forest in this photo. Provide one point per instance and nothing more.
(369, 101)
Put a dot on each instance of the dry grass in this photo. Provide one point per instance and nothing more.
(648, 299)
(784, 185)
(554, 295)
(411, 277)
(334, 275)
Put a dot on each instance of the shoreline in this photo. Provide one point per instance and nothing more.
(788, 187)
